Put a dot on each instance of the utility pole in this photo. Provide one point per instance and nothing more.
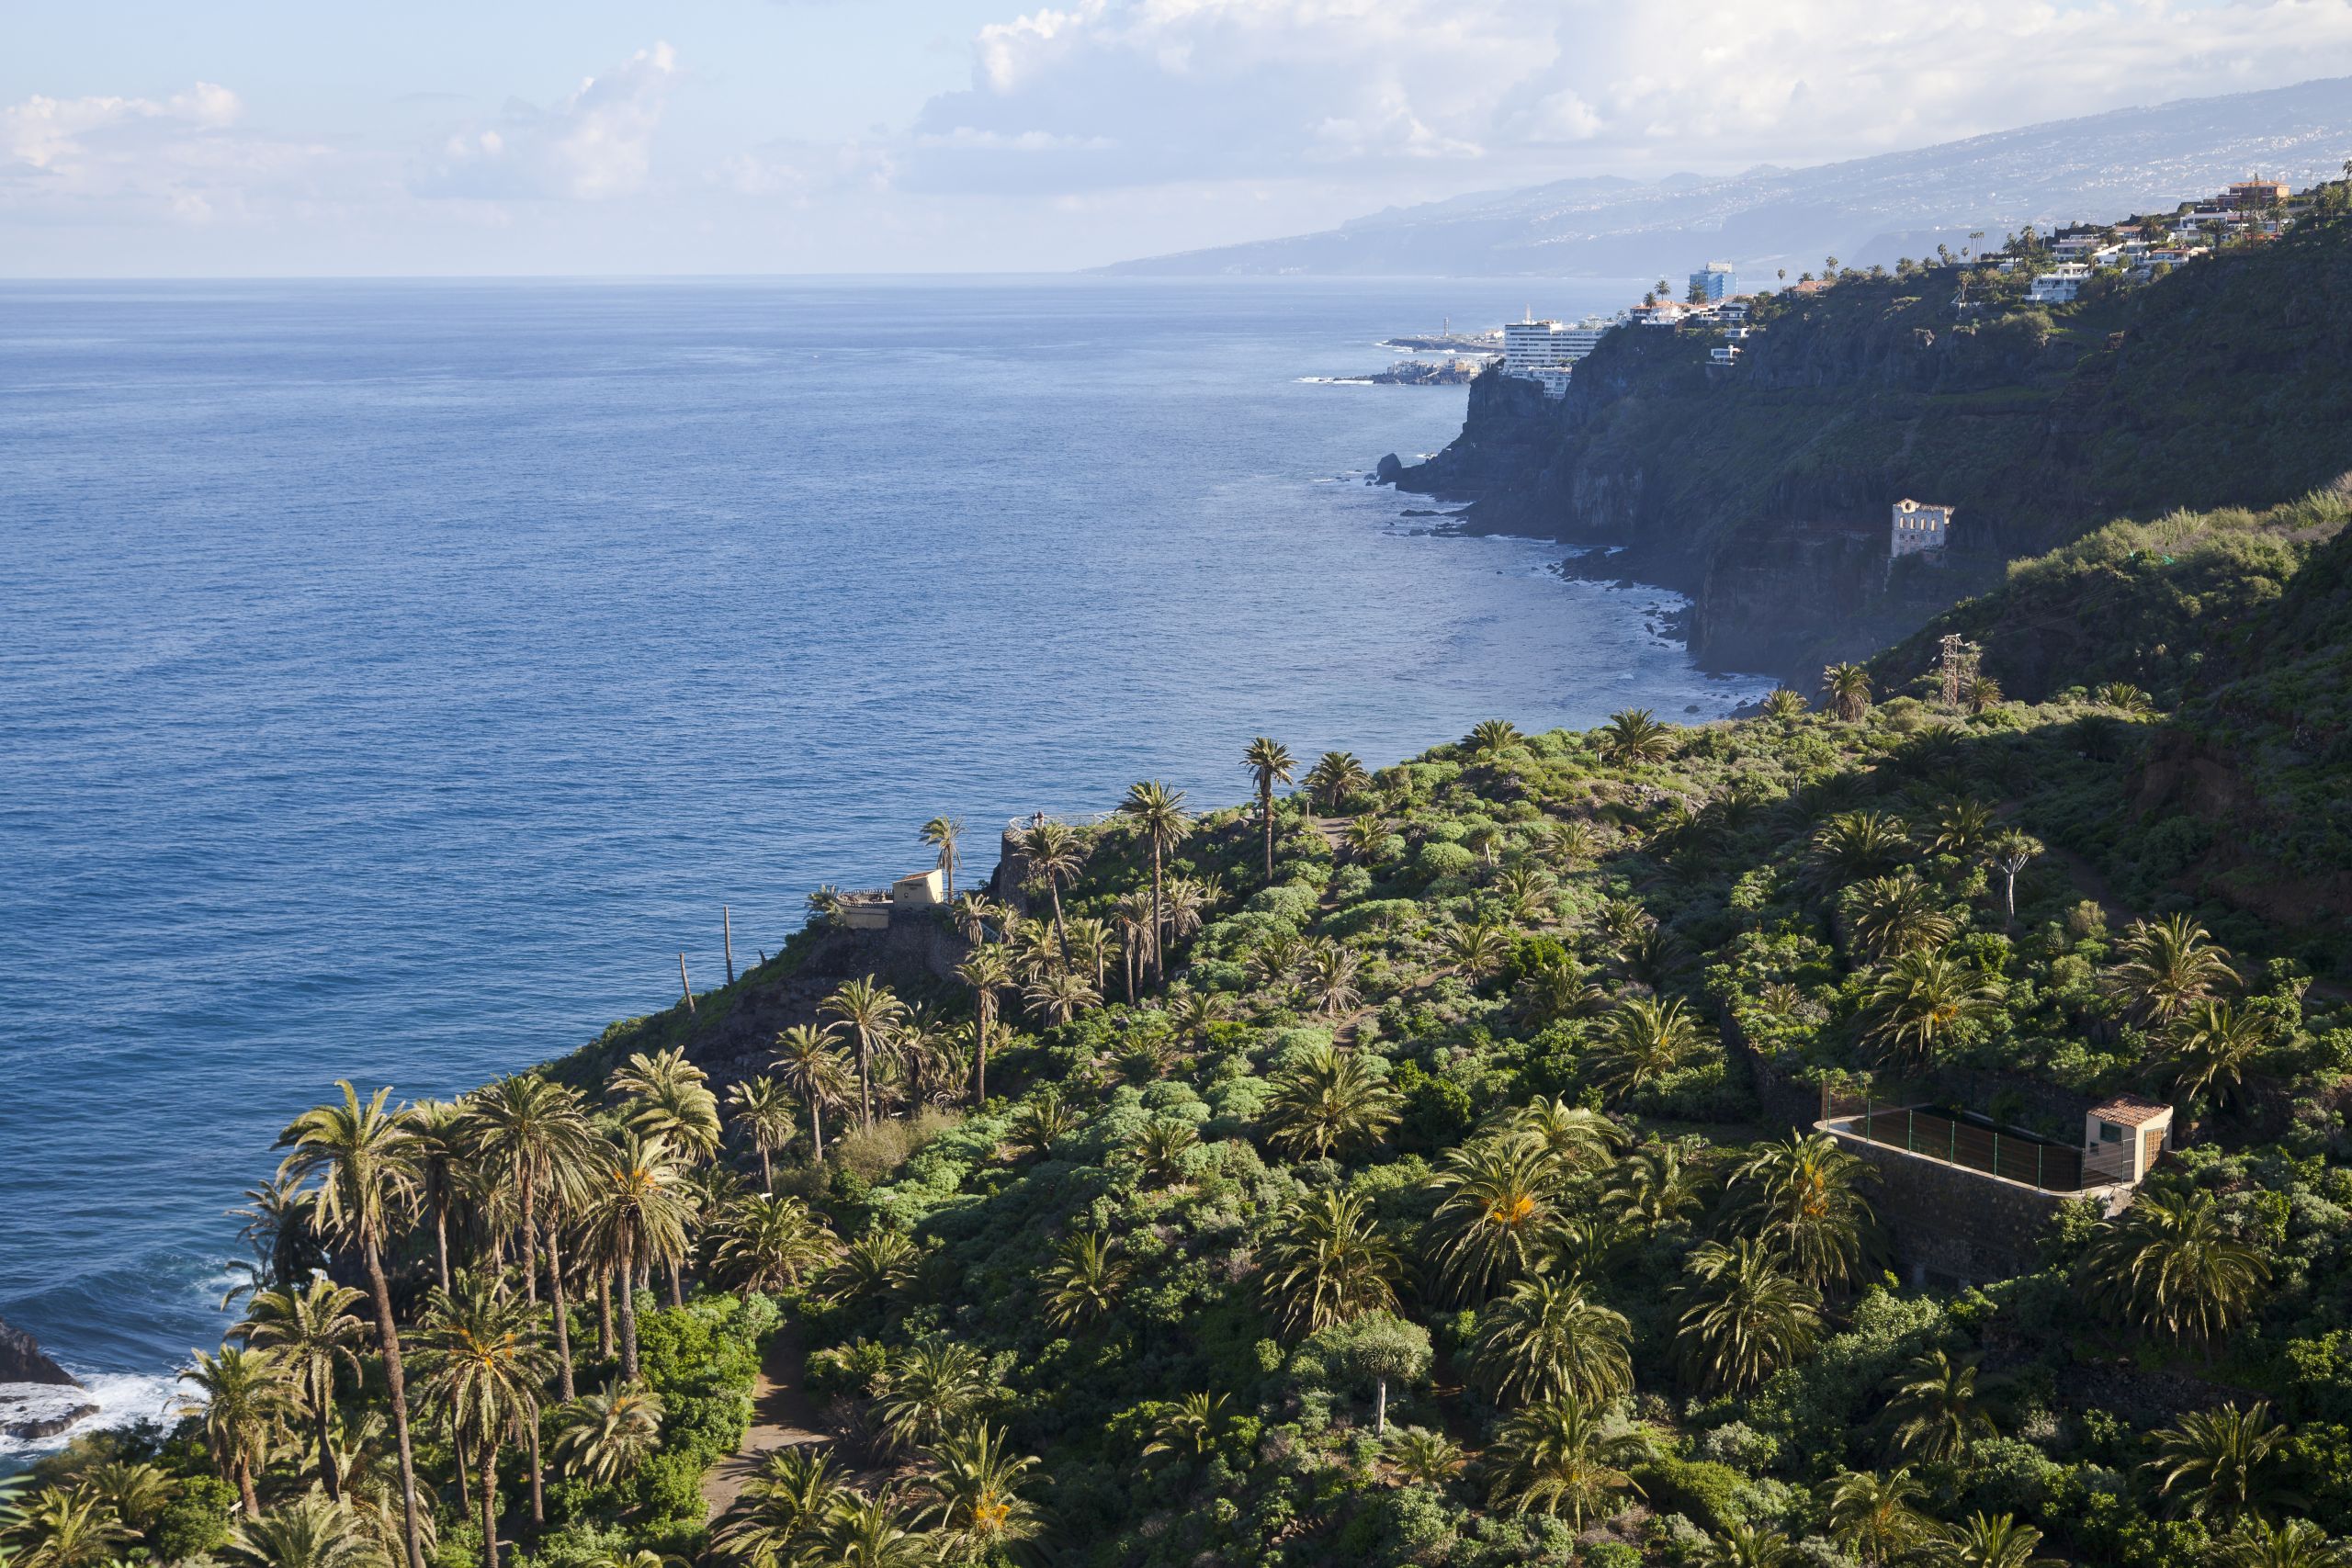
(684, 989)
(726, 923)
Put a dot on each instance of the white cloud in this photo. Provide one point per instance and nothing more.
(594, 145)
(187, 158)
(1140, 91)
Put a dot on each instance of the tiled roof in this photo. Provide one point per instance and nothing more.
(2131, 1110)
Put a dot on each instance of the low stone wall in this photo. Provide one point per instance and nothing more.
(1951, 1224)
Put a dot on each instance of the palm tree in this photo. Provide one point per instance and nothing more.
(366, 1162)
(1269, 763)
(1854, 844)
(482, 1360)
(1497, 1218)
(1849, 689)
(1056, 852)
(442, 1141)
(974, 1491)
(533, 1134)
(1936, 1413)
(767, 1243)
(1490, 738)
(1059, 996)
(1890, 915)
(136, 1491)
(763, 1110)
(782, 1507)
(1575, 1139)
(2169, 966)
(934, 1386)
(1475, 948)
(1557, 987)
(869, 1532)
(638, 1209)
(2169, 1265)
(310, 1532)
(1160, 1151)
(944, 834)
(1192, 1425)
(1635, 736)
(1158, 815)
(314, 1335)
(1090, 946)
(869, 1008)
(1083, 1285)
(67, 1529)
(1328, 976)
(1961, 827)
(1335, 777)
(240, 1395)
(1429, 1459)
(1745, 1546)
(1546, 1338)
(1877, 1517)
(1646, 1040)
(1995, 1540)
(1742, 1318)
(606, 1434)
(2225, 1463)
(1328, 1102)
(1326, 1260)
(874, 1265)
(2297, 1543)
(2213, 1046)
(988, 971)
(1558, 1457)
(1802, 1199)
(813, 1070)
(670, 1098)
(1044, 1122)
(1921, 1000)
(1659, 1188)
(1782, 705)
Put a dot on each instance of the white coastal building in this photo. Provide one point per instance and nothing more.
(1917, 526)
(2059, 286)
(1545, 352)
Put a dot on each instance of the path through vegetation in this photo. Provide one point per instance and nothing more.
(783, 1416)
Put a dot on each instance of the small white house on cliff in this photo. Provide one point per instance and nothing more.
(1917, 526)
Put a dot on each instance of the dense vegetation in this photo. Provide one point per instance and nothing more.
(1382, 1172)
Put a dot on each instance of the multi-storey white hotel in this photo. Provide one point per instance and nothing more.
(1547, 351)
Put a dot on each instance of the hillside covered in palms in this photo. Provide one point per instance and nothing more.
(1409, 1167)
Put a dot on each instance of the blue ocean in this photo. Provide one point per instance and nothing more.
(395, 677)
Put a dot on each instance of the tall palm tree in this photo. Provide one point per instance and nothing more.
(482, 1359)
(1499, 1215)
(973, 1492)
(364, 1159)
(2170, 1266)
(1059, 996)
(1269, 763)
(1335, 777)
(944, 834)
(1158, 815)
(869, 1008)
(1056, 852)
(1989, 1541)
(1635, 736)
(987, 971)
(1889, 916)
(935, 1386)
(637, 1212)
(1325, 1260)
(1877, 1517)
(2297, 1543)
(1647, 1040)
(1559, 1458)
(441, 1133)
(763, 1110)
(1090, 946)
(241, 1397)
(1328, 1102)
(314, 1335)
(309, 1532)
(1936, 1412)
(1548, 1338)
(804, 1059)
(1742, 1318)
(62, 1528)
(2168, 966)
(531, 1133)
(1083, 1283)
(1803, 1199)
(1921, 1000)
(2228, 1464)
(606, 1434)
(869, 1532)
(1849, 689)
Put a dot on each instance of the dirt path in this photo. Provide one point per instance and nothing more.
(783, 1416)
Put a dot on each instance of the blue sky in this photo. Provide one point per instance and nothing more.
(521, 136)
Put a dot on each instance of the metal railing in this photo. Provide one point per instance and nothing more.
(2014, 1157)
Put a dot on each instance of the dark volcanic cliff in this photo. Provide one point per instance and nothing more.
(1762, 489)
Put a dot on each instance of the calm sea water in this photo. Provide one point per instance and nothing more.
(394, 678)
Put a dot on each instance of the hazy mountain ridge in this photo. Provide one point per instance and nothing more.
(1866, 210)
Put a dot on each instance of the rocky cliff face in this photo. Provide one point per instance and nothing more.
(22, 1361)
(1762, 489)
